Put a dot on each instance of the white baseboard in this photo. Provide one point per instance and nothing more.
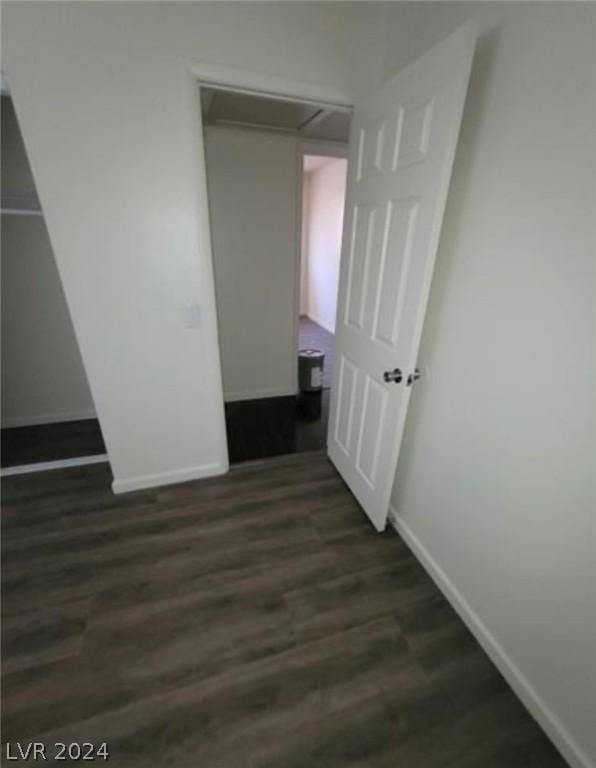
(46, 466)
(516, 679)
(48, 418)
(168, 478)
(231, 397)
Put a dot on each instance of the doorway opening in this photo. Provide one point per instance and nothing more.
(48, 414)
(260, 155)
(323, 199)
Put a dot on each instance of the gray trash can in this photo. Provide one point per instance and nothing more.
(310, 370)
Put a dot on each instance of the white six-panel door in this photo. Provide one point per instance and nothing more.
(402, 146)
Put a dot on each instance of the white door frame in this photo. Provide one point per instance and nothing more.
(272, 87)
(203, 74)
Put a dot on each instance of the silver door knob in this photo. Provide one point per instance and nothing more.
(413, 377)
(395, 375)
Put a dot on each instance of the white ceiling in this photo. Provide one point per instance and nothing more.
(242, 109)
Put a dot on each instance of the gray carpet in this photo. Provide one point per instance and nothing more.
(313, 336)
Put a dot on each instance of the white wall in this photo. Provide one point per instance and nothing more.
(43, 378)
(110, 118)
(252, 179)
(325, 205)
(18, 187)
(495, 484)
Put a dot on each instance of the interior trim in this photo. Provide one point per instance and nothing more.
(48, 418)
(169, 478)
(521, 686)
(261, 394)
(223, 78)
(46, 466)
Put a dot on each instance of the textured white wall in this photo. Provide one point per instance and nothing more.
(252, 179)
(110, 119)
(496, 474)
(325, 205)
(43, 378)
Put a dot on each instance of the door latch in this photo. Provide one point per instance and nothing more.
(395, 376)
(413, 377)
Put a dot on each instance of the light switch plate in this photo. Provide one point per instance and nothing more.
(192, 316)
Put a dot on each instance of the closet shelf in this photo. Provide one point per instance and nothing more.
(21, 212)
(20, 202)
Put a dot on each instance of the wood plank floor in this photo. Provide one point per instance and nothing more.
(274, 426)
(51, 442)
(247, 621)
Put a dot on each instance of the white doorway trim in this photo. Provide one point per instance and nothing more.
(272, 87)
(202, 74)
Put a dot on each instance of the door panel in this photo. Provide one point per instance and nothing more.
(369, 437)
(363, 243)
(345, 400)
(401, 225)
(416, 124)
(401, 154)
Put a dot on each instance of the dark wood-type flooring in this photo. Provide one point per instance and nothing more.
(51, 442)
(274, 426)
(240, 622)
